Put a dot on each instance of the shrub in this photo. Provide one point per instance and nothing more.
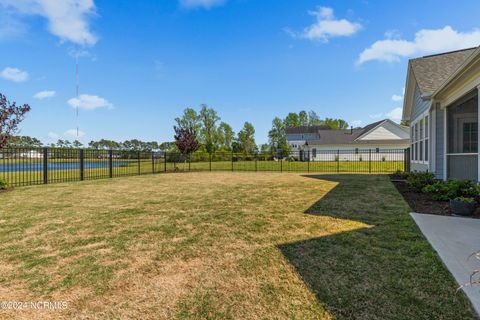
(465, 199)
(3, 184)
(360, 159)
(444, 191)
(384, 158)
(439, 191)
(419, 180)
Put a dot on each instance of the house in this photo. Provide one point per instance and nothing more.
(441, 105)
(31, 154)
(319, 143)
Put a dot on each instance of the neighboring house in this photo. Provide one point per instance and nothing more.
(31, 154)
(319, 143)
(441, 104)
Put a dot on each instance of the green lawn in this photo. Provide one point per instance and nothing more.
(23, 176)
(222, 245)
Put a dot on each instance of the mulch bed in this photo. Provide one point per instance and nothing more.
(422, 202)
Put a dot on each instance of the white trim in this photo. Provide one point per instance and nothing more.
(444, 143)
(433, 138)
(421, 140)
(465, 90)
(462, 154)
(478, 131)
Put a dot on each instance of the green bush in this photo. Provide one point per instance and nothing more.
(3, 184)
(444, 191)
(420, 180)
(465, 199)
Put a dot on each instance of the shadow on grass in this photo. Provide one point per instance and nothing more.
(387, 271)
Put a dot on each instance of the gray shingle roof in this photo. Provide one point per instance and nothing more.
(305, 129)
(432, 71)
(339, 137)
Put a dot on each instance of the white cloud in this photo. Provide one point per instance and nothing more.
(327, 26)
(395, 114)
(73, 133)
(53, 135)
(67, 19)
(356, 123)
(376, 115)
(201, 3)
(426, 41)
(14, 74)
(44, 94)
(396, 97)
(90, 102)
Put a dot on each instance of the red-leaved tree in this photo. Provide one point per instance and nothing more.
(10, 116)
(186, 140)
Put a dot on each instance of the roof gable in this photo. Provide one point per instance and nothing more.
(351, 136)
(432, 71)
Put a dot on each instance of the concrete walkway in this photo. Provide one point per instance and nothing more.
(454, 239)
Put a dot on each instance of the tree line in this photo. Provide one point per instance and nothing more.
(277, 135)
(205, 131)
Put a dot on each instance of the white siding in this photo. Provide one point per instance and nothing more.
(386, 131)
(365, 152)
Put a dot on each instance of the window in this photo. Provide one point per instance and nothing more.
(314, 152)
(377, 150)
(470, 134)
(356, 150)
(463, 127)
(420, 139)
(412, 154)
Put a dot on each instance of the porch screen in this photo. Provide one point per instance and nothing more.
(462, 140)
(462, 124)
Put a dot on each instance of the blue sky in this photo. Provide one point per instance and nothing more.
(143, 62)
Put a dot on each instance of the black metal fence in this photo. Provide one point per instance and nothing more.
(30, 166)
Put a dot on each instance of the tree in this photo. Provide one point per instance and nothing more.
(336, 124)
(10, 117)
(292, 120)
(405, 123)
(225, 136)
(303, 118)
(77, 144)
(24, 142)
(190, 119)
(277, 136)
(209, 118)
(314, 119)
(93, 145)
(265, 148)
(246, 138)
(186, 140)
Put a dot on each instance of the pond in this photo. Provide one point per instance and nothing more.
(38, 165)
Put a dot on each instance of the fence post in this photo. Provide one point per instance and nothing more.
(369, 160)
(232, 160)
(189, 161)
(256, 161)
(153, 162)
(308, 160)
(406, 160)
(82, 165)
(338, 161)
(138, 162)
(110, 163)
(210, 161)
(165, 161)
(281, 160)
(45, 165)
